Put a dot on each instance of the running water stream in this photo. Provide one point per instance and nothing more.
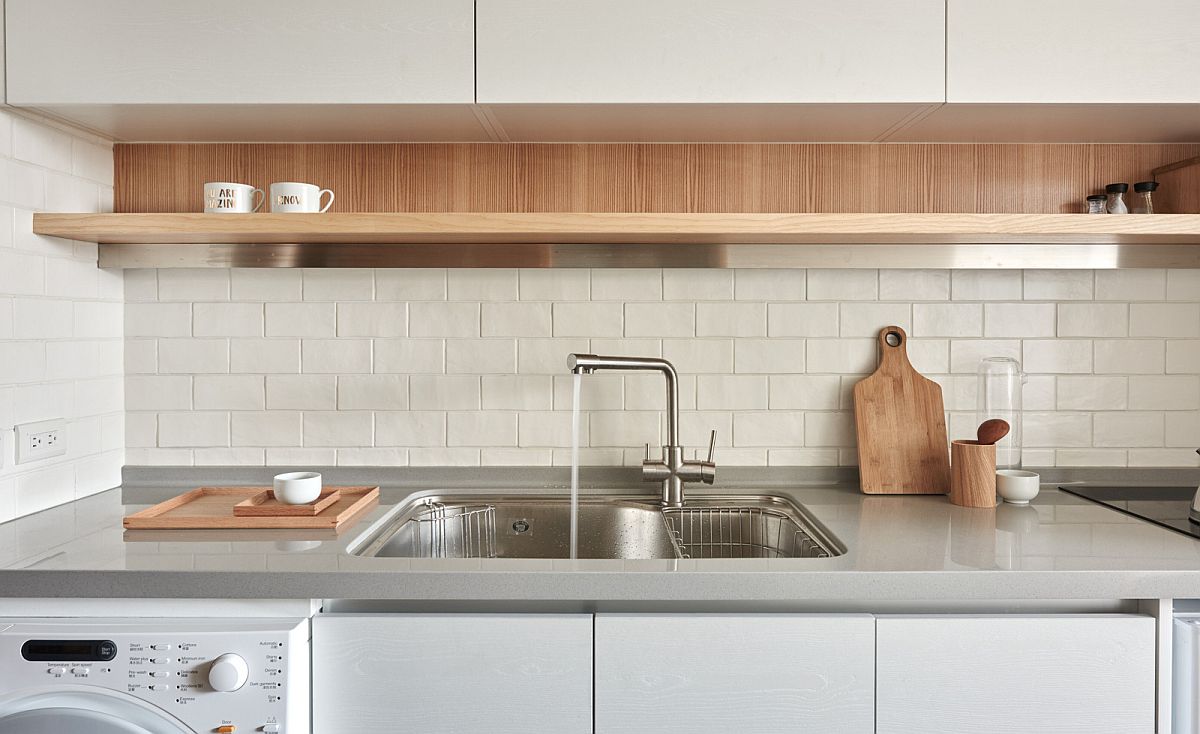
(575, 467)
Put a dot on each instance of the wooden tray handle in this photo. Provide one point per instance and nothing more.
(893, 349)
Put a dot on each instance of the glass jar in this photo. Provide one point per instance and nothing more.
(1143, 197)
(999, 396)
(1096, 204)
(1116, 198)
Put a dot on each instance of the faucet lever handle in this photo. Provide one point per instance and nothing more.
(647, 451)
(712, 444)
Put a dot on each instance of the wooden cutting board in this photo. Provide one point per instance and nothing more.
(211, 508)
(902, 447)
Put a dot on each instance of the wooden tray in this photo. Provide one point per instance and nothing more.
(264, 504)
(211, 508)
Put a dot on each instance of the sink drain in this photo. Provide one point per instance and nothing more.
(520, 527)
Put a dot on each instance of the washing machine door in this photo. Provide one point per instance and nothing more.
(84, 712)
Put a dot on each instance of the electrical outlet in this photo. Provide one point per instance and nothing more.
(41, 440)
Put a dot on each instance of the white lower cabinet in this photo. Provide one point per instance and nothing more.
(1091, 674)
(739, 673)
(451, 673)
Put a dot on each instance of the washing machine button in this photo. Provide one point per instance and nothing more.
(57, 671)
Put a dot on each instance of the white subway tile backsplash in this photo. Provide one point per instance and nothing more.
(829, 429)
(694, 284)
(929, 356)
(264, 356)
(731, 319)
(1183, 356)
(986, 285)
(1164, 392)
(261, 284)
(481, 428)
(443, 319)
(227, 319)
(302, 392)
(946, 319)
(549, 428)
(301, 319)
(1057, 356)
(1093, 319)
(186, 284)
(1130, 356)
(769, 355)
(1183, 285)
(866, 319)
(1018, 320)
(776, 428)
(410, 355)
(516, 319)
(803, 319)
(372, 319)
(1079, 392)
(966, 354)
(517, 392)
(410, 285)
(444, 392)
(1183, 429)
(228, 392)
(731, 392)
(335, 356)
(372, 456)
(914, 285)
(481, 356)
(481, 285)
(588, 319)
(338, 428)
(193, 356)
(1164, 319)
(410, 428)
(1127, 429)
(804, 392)
(547, 356)
(843, 285)
(624, 284)
(338, 284)
(554, 285)
(42, 318)
(624, 428)
(1059, 285)
(1131, 285)
(599, 391)
(372, 392)
(841, 356)
(193, 429)
(694, 356)
(770, 285)
(1051, 430)
(267, 429)
(661, 319)
(158, 392)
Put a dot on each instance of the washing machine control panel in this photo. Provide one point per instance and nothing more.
(224, 676)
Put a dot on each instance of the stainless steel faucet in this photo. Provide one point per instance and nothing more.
(1194, 513)
(672, 469)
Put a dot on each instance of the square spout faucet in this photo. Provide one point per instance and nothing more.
(672, 470)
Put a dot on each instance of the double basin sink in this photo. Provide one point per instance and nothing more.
(609, 526)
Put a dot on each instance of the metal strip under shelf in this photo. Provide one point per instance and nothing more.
(536, 255)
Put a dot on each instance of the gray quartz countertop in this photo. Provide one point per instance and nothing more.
(899, 548)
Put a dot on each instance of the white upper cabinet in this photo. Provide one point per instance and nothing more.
(1100, 51)
(710, 51)
(112, 52)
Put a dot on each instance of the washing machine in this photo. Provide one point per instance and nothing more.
(154, 676)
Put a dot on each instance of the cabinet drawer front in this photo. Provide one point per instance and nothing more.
(501, 673)
(744, 673)
(1015, 673)
(1072, 52)
(629, 51)
(239, 52)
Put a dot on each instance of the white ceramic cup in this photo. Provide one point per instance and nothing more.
(298, 487)
(223, 197)
(289, 197)
(1017, 487)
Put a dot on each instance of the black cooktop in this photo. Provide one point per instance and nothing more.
(1165, 506)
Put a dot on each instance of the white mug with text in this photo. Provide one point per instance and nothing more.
(222, 197)
(289, 196)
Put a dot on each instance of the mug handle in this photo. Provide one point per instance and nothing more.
(329, 203)
(262, 197)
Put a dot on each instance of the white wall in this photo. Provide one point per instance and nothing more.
(60, 317)
(468, 367)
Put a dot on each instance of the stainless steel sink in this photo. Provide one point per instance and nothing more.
(610, 526)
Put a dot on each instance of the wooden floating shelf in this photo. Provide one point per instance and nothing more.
(633, 240)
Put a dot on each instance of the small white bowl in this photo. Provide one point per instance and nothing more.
(297, 487)
(1017, 487)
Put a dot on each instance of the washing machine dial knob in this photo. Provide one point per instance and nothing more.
(228, 672)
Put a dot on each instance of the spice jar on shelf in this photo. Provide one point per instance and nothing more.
(1116, 198)
(1143, 197)
(1095, 204)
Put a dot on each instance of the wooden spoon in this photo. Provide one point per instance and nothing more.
(991, 431)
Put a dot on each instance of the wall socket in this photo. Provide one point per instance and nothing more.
(41, 440)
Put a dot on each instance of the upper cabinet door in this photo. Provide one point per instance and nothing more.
(1073, 52)
(710, 51)
(239, 52)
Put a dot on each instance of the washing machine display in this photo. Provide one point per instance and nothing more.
(160, 676)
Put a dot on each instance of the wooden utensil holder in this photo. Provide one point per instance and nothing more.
(972, 474)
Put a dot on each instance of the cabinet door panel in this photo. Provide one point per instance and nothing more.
(239, 51)
(1054, 674)
(1072, 52)
(503, 673)
(743, 673)
(717, 51)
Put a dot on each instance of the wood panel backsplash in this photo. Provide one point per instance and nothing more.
(637, 177)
